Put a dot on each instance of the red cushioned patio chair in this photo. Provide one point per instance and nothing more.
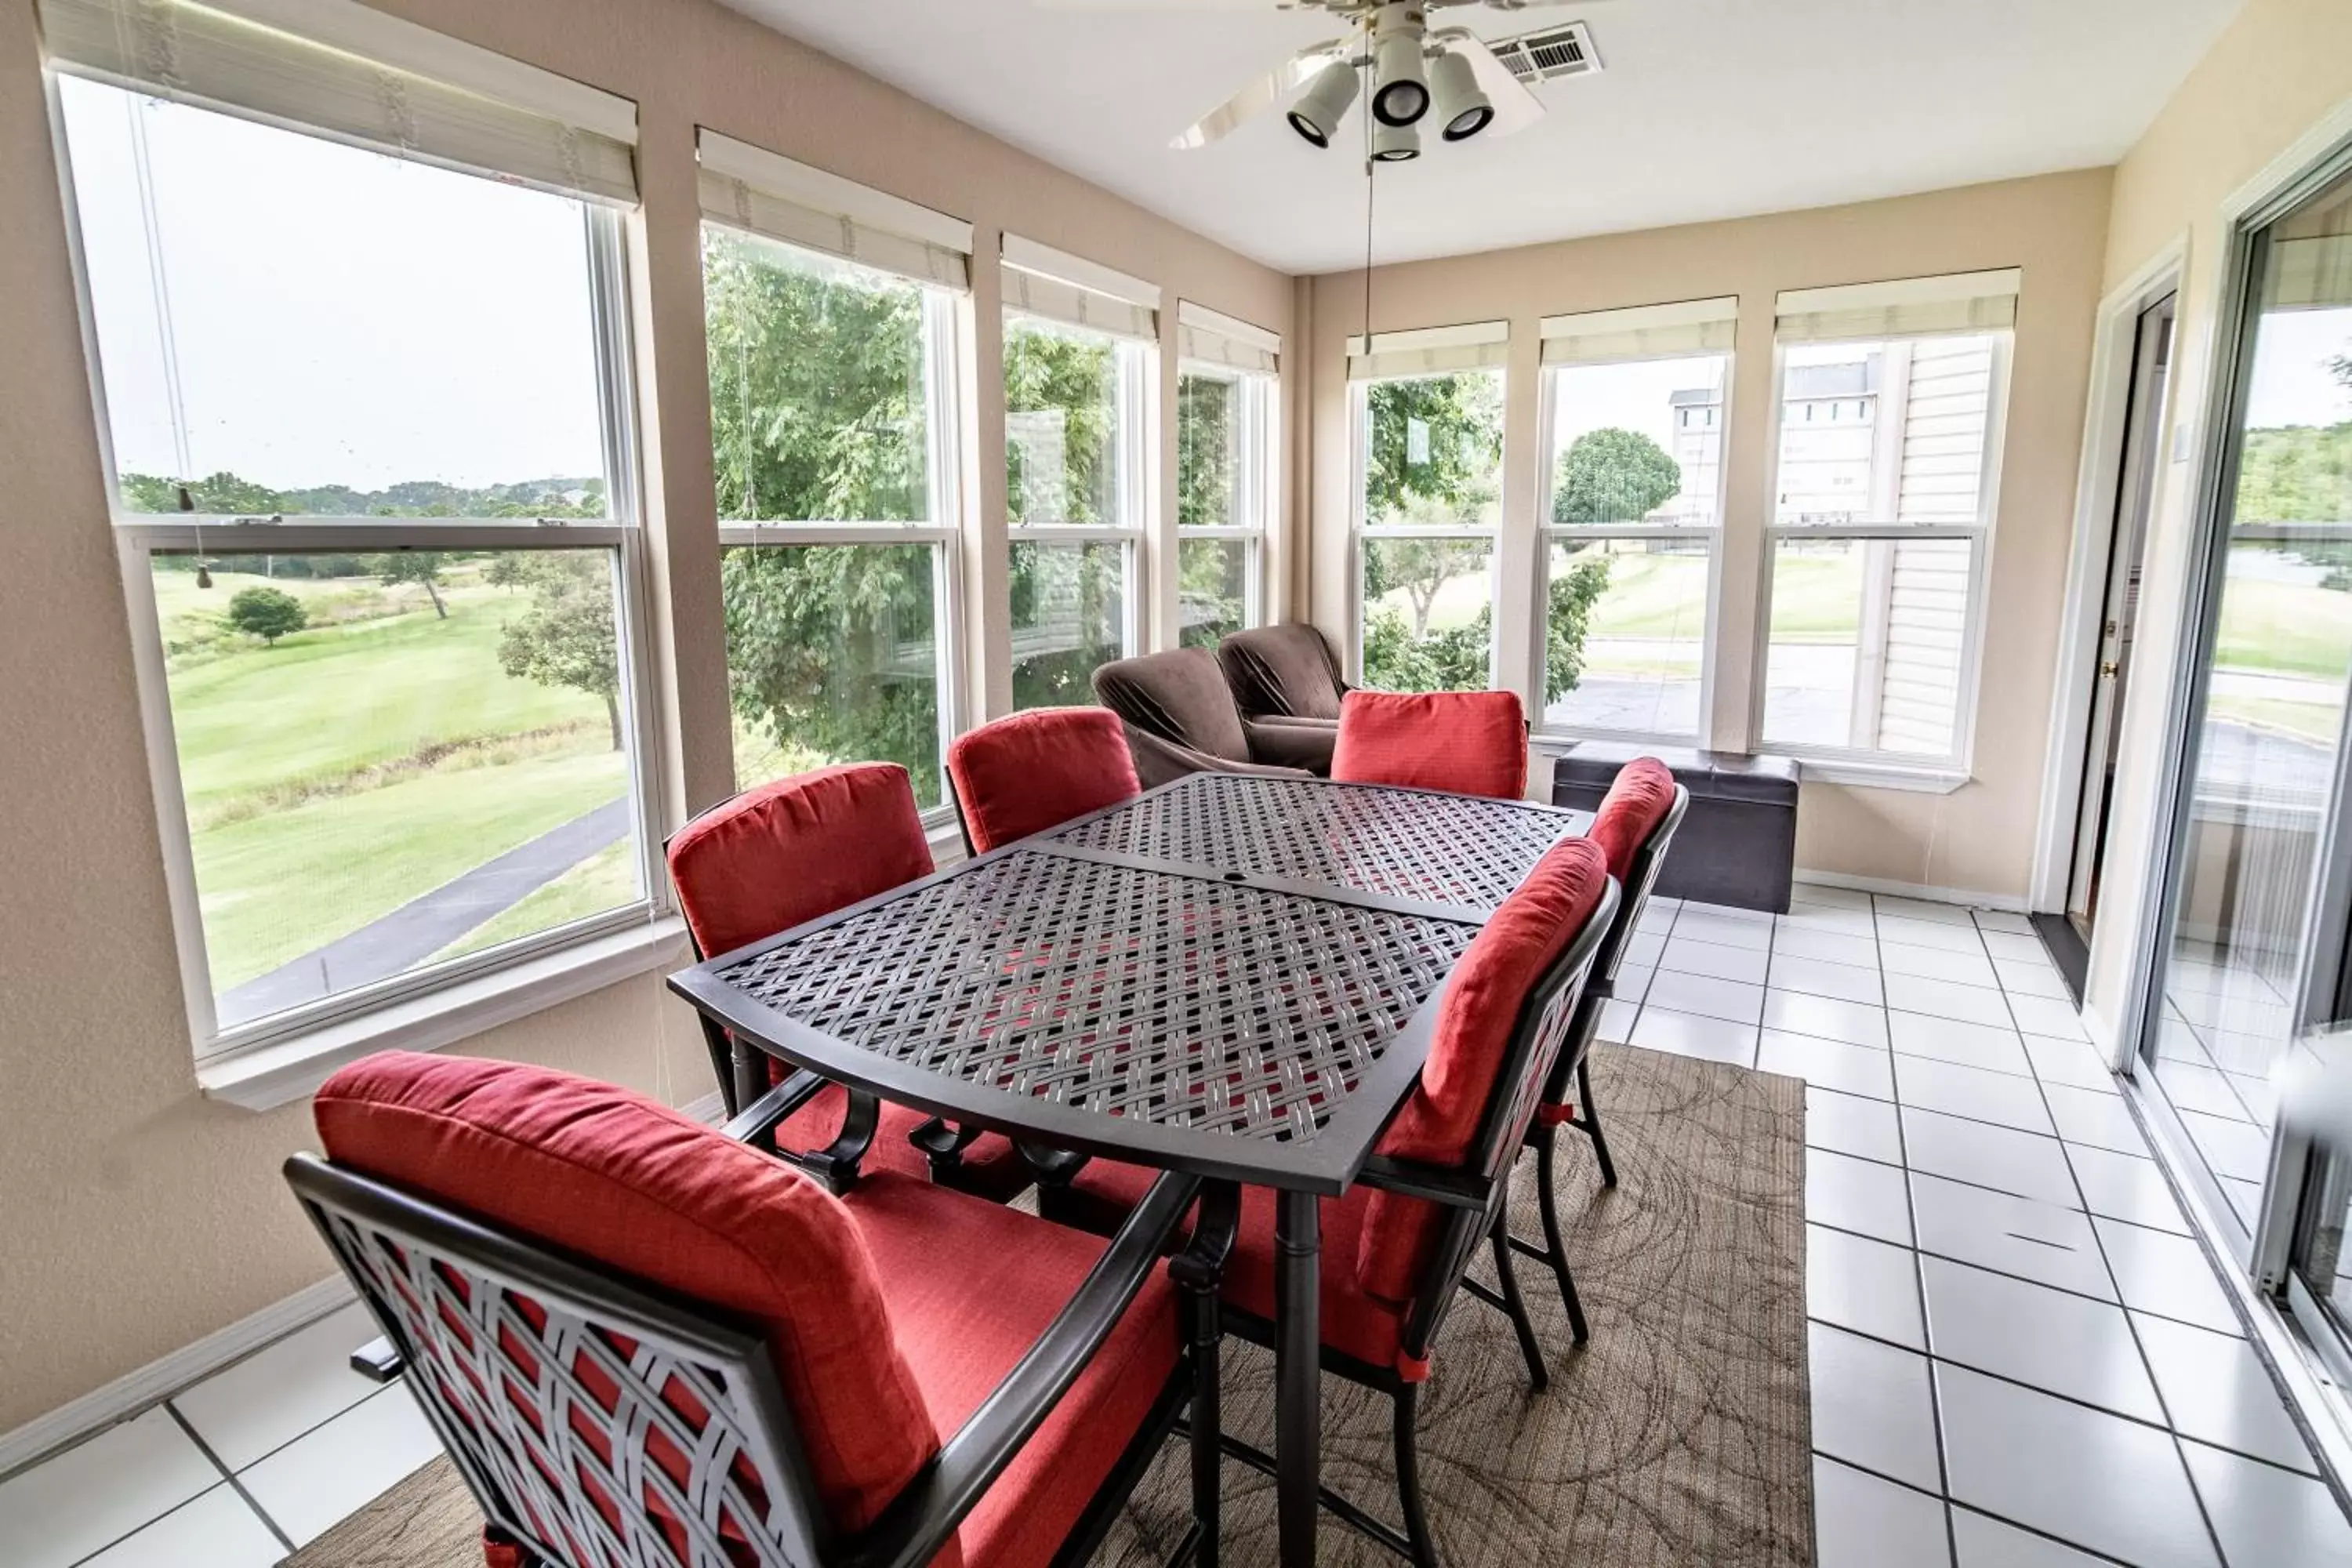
(1028, 772)
(789, 852)
(642, 1342)
(1634, 827)
(1464, 742)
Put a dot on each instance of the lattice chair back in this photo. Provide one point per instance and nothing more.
(600, 1422)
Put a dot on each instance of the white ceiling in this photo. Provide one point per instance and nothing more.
(1707, 108)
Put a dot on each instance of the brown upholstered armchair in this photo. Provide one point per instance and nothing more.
(1180, 718)
(1286, 680)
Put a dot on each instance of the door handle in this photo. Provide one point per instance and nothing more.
(2109, 670)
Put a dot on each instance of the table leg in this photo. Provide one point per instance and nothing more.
(751, 1073)
(1298, 1372)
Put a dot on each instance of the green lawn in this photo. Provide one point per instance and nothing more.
(278, 885)
(2285, 628)
(1814, 598)
(364, 762)
(603, 881)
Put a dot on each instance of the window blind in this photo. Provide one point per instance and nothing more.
(1642, 331)
(748, 188)
(1204, 335)
(1430, 350)
(1042, 281)
(359, 76)
(1908, 308)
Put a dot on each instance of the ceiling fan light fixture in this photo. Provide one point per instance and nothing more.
(1463, 110)
(1402, 96)
(1318, 113)
(1395, 144)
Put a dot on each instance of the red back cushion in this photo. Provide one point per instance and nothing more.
(1483, 995)
(1465, 743)
(1637, 801)
(613, 1176)
(796, 850)
(1037, 770)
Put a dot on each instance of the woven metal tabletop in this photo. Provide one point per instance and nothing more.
(1219, 977)
(1461, 850)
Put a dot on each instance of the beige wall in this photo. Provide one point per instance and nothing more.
(135, 1214)
(2269, 94)
(1979, 837)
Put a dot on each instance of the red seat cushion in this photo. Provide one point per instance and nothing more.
(971, 1287)
(1355, 1323)
(1483, 995)
(1464, 742)
(1037, 770)
(786, 853)
(611, 1175)
(1638, 800)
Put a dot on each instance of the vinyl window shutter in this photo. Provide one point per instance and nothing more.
(747, 188)
(1643, 331)
(361, 77)
(1058, 287)
(1208, 337)
(1430, 350)
(1965, 302)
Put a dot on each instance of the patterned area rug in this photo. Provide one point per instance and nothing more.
(1680, 1435)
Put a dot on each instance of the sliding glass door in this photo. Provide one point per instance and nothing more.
(2252, 966)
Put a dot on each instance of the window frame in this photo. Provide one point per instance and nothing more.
(943, 314)
(1137, 442)
(1362, 530)
(1258, 415)
(139, 537)
(1958, 765)
(1548, 533)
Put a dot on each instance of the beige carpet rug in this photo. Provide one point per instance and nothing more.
(1679, 1436)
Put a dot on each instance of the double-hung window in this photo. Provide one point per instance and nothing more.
(1634, 418)
(1226, 385)
(1080, 383)
(357, 302)
(1891, 403)
(830, 313)
(1428, 419)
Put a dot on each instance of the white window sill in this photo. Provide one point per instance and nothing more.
(1881, 775)
(287, 1071)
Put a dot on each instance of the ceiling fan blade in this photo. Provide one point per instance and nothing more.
(1262, 95)
(1515, 108)
(1121, 6)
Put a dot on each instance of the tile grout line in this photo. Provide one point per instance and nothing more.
(2131, 1325)
(1953, 1507)
(1918, 1273)
(229, 1476)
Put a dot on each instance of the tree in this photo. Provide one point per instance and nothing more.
(267, 613)
(1457, 658)
(419, 566)
(1061, 399)
(1613, 476)
(508, 569)
(567, 637)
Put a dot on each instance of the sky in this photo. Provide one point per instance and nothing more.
(2293, 384)
(1628, 396)
(340, 317)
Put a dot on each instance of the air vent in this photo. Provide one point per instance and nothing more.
(1548, 55)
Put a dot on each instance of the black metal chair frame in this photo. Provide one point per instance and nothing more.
(1476, 1195)
(381, 1232)
(1575, 1064)
(742, 1070)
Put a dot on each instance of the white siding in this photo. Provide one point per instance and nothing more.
(1943, 430)
(1926, 629)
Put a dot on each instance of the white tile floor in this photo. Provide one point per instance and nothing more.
(2019, 1357)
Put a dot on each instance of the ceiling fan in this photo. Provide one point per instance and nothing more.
(1417, 70)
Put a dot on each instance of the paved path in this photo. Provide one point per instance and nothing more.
(423, 926)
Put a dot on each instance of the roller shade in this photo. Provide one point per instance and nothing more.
(1430, 350)
(1910, 307)
(1042, 281)
(1643, 331)
(357, 76)
(747, 188)
(2312, 274)
(1202, 334)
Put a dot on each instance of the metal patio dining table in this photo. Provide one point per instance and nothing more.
(1232, 976)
